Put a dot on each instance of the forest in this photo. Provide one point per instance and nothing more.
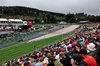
(41, 16)
(30, 14)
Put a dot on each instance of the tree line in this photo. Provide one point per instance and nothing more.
(74, 18)
(40, 16)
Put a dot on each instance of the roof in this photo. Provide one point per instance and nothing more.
(1, 19)
(16, 20)
(82, 21)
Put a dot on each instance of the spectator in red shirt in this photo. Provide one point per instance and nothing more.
(88, 59)
(78, 60)
(86, 41)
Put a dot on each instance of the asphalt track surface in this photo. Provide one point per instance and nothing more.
(27, 38)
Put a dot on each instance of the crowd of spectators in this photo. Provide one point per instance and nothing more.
(92, 24)
(82, 49)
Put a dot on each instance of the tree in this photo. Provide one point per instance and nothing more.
(48, 15)
(69, 18)
(53, 19)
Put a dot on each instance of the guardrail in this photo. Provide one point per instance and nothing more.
(20, 37)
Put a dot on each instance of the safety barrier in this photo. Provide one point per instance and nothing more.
(20, 37)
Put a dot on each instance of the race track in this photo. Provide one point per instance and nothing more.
(42, 35)
(56, 33)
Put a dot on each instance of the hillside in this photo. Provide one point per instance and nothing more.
(26, 13)
(40, 16)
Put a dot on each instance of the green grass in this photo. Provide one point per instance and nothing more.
(15, 51)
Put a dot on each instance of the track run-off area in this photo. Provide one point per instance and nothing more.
(56, 33)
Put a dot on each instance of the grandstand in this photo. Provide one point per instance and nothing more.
(92, 25)
(83, 22)
(64, 52)
(15, 22)
(5, 22)
(8, 24)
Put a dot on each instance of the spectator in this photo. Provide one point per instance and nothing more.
(56, 62)
(57, 57)
(82, 44)
(33, 61)
(88, 59)
(38, 63)
(45, 59)
(51, 64)
(86, 41)
(78, 60)
(65, 60)
(93, 52)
